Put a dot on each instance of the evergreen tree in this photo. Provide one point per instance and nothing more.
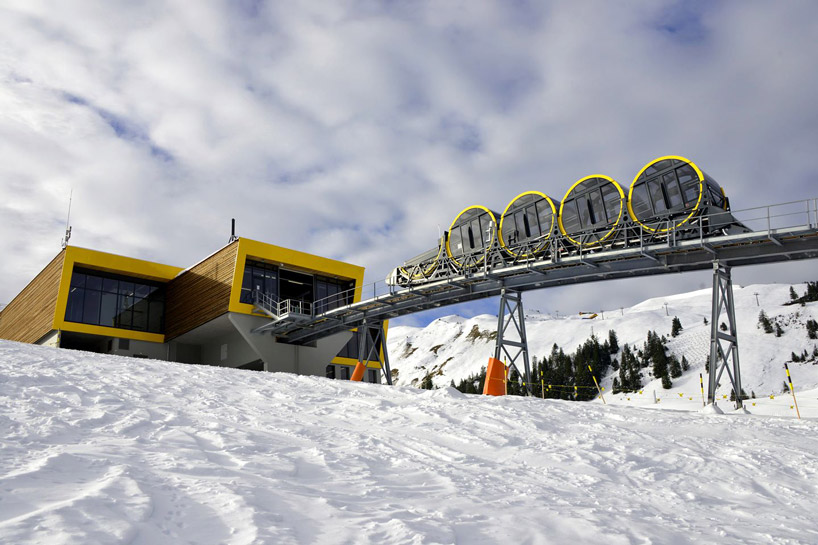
(666, 384)
(812, 329)
(473, 384)
(810, 295)
(765, 322)
(778, 330)
(675, 367)
(622, 382)
(685, 364)
(613, 341)
(426, 383)
(812, 292)
(793, 295)
(705, 320)
(630, 377)
(514, 385)
(655, 351)
(676, 327)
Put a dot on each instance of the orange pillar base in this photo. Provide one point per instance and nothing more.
(495, 384)
(358, 373)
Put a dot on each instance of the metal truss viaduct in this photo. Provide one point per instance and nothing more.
(777, 233)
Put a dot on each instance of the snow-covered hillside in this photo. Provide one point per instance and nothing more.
(103, 449)
(453, 348)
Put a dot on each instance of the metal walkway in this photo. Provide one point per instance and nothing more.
(784, 232)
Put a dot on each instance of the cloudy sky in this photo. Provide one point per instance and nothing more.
(355, 129)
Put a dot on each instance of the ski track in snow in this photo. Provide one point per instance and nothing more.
(102, 449)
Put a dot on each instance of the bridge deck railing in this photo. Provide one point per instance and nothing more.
(769, 219)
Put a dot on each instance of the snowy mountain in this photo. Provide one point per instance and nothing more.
(452, 348)
(107, 450)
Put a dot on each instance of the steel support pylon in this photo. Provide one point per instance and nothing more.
(372, 347)
(723, 344)
(511, 312)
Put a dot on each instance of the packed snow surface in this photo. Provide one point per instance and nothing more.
(102, 449)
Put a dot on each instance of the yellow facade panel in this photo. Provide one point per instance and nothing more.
(110, 263)
(292, 259)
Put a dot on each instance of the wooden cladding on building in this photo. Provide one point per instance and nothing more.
(30, 315)
(201, 293)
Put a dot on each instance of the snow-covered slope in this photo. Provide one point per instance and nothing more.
(450, 348)
(101, 449)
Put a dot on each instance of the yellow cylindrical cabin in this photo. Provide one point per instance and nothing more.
(591, 210)
(471, 234)
(527, 224)
(669, 191)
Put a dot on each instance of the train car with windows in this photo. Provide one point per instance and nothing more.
(591, 211)
(669, 192)
(472, 233)
(463, 247)
(669, 197)
(527, 224)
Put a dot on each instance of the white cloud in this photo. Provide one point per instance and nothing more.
(355, 130)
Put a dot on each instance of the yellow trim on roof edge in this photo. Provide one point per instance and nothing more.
(111, 263)
(285, 257)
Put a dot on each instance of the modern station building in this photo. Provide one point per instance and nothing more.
(100, 302)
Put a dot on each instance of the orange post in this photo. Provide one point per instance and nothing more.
(358, 373)
(495, 384)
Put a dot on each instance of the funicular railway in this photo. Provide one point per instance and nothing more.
(571, 249)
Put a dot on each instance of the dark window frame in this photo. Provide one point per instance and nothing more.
(90, 302)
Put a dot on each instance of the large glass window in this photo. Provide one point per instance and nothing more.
(531, 223)
(613, 202)
(351, 348)
(332, 293)
(456, 241)
(327, 293)
(570, 216)
(657, 195)
(545, 217)
(640, 201)
(523, 232)
(477, 228)
(261, 277)
(584, 212)
(109, 300)
(595, 207)
(672, 191)
(689, 181)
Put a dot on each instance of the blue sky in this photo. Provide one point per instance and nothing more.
(355, 129)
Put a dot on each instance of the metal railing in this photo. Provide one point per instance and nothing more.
(770, 219)
(277, 308)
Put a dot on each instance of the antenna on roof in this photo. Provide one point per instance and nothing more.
(233, 237)
(67, 236)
